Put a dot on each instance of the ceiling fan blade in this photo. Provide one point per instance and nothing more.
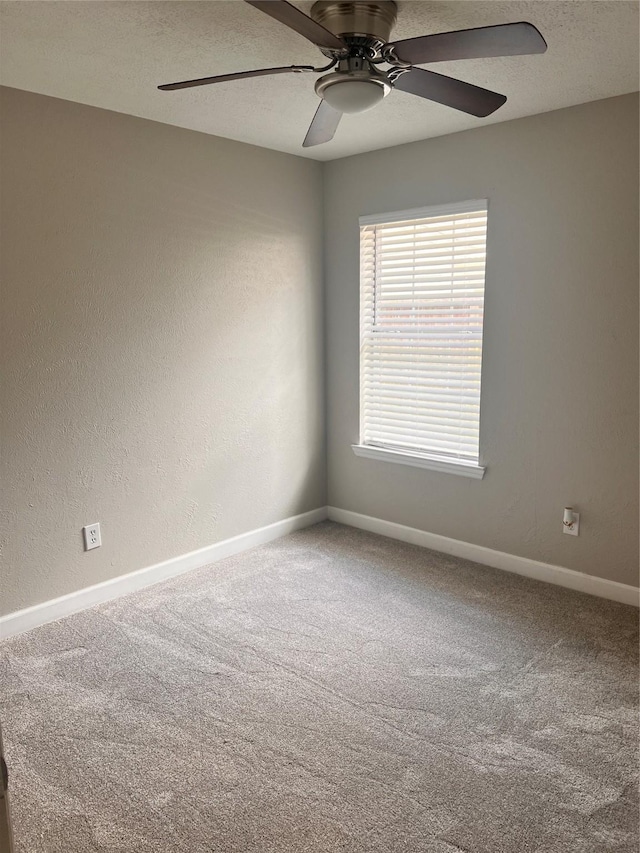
(502, 40)
(450, 92)
(323, 127)
(240, 75)
(292, 17)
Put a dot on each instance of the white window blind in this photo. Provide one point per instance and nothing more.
(422, 299)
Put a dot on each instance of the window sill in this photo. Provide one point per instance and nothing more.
(433, 463)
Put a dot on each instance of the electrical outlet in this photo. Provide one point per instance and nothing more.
(91, 535)
(572, 528)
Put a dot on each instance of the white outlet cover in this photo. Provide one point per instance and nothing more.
(91, 536)
(574, 530)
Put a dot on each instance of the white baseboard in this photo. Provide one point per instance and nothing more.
(49, 611)
(497, 559)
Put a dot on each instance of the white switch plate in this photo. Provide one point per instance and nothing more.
(574, 530)
(92, 538)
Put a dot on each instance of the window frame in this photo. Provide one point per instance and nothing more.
(416, 458)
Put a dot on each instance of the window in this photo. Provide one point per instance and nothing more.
(421, 309)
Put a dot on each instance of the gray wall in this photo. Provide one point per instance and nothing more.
(559, 413)
(162, 357)
(161, 344)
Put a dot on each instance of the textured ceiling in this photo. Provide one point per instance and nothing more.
(113, 55)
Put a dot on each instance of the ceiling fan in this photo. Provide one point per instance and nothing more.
(354, 35)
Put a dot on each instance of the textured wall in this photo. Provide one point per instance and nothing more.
(559, 416)
(162, 340)
(161, 345)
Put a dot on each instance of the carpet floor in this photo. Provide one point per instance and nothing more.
(331, 692)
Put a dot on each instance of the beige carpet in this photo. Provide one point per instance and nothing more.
(332, 692)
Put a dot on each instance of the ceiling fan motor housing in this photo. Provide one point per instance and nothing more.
(358, 19)
(356, 85)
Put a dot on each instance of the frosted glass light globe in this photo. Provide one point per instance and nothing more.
(353, 96)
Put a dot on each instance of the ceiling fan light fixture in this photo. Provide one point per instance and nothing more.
(355, 36)
(351, 94)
